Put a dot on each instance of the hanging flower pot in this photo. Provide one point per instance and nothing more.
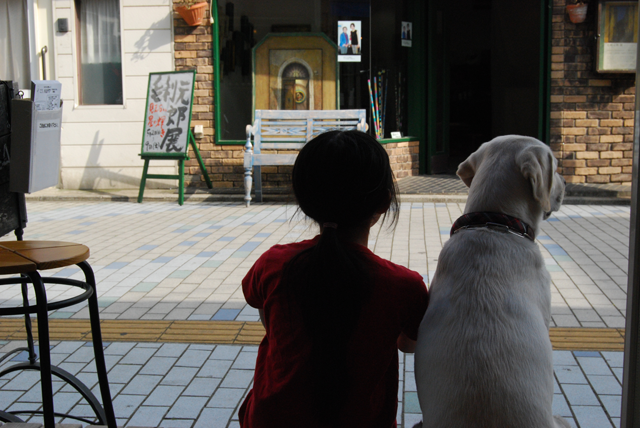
(577, 12)
(192, 14)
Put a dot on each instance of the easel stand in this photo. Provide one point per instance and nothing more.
(180, 157)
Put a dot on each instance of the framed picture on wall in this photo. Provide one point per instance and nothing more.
(617, 36)
(349, 41)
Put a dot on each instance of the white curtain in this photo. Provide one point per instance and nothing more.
(100, 31)
(14, 42)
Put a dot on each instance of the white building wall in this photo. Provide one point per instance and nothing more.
(101, 144)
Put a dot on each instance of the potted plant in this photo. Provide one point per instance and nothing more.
(577, 12)
(192, 11)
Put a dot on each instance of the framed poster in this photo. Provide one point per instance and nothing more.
(349, 41)
(167, 117)
(617, 36)
(295, 72)
(405, 36)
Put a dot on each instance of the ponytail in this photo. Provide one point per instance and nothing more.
(341, 180)
(330, 282)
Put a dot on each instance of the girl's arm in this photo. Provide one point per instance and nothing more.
(406, 345)
(261, 311)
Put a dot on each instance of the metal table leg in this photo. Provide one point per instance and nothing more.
(96, 335)
(45, 355)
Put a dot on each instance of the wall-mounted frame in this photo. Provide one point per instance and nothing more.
(325, 94)
(617, 36)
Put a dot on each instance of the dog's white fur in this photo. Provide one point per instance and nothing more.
(483, 357)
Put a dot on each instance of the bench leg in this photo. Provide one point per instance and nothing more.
(247, 185)
(257, 177)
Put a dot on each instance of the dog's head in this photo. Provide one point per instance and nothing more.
(513, 173)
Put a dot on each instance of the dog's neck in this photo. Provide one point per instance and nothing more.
(501, 200)
(489, 220)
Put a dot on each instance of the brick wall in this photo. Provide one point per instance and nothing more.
(403, 158)
(591, 113)
(193, 50)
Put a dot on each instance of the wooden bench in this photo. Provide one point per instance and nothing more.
(285, 130)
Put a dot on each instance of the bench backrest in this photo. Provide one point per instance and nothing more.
(291, 129)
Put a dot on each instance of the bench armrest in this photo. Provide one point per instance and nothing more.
(248, 146)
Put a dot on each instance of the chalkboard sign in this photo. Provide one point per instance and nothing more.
(167, 118)
(167, 126)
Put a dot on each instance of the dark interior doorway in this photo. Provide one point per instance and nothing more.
(486, 55)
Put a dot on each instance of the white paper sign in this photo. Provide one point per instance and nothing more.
(46, 94)
(619, 56)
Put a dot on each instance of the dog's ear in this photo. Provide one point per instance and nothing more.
(537, 164)
(467, 169)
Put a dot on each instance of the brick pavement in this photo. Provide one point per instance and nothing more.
(162, 262)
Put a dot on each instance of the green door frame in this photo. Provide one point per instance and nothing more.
(544, 93)
(217, 114)
(434, 44)
(417, 99)
(437, 47)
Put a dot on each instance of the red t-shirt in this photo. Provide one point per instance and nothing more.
(281, 394)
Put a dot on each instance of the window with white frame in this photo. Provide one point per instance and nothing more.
(14, 42)
(99, 52)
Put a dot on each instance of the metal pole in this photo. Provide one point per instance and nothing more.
(630, 412)
(43, 52)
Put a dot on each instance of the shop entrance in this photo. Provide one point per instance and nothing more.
(486, 76)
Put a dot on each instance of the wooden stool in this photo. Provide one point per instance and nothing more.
(27, 258)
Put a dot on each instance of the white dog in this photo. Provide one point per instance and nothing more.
(483, 358)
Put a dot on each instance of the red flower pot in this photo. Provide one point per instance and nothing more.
(192, 15)
(577, 12)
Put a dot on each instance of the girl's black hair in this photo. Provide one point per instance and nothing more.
(340, 177)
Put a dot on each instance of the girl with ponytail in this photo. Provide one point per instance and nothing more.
(335, 314)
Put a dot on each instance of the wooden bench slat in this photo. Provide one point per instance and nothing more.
(282, 146)
(300, 125)
(267, 123)
(303, 114)
(273, 159)
(292, 141)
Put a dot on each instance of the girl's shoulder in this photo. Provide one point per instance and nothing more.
(386, 269)
(281, 253)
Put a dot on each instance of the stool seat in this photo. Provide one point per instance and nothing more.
(12, 263)
(29, 256)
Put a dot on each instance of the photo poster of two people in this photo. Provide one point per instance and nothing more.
(349, 41)
(405, 35)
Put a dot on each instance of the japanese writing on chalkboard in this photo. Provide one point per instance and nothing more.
(168, 113)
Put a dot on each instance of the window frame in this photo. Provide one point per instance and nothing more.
(76, 50)
(217, 114)
(601, 28)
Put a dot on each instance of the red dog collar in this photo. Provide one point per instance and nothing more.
(503, 221)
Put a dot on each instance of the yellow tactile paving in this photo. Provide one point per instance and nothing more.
(143, 331)
(587, 339)
(251, 333)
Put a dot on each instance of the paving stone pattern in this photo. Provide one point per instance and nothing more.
(182, 385)
(160, 261)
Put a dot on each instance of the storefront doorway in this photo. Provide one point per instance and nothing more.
(487, 75)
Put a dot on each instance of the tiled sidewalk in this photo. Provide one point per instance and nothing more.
(159, 261)
(181, 385)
